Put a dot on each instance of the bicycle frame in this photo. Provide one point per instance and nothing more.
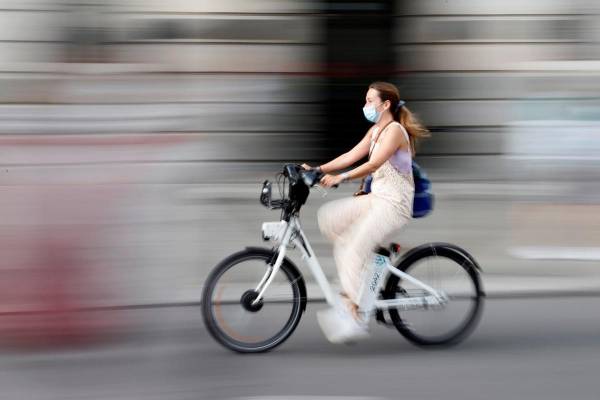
(292, 236)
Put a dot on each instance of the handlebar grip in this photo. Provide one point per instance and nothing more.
(311, 177)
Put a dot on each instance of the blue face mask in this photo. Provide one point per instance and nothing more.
(371, 113)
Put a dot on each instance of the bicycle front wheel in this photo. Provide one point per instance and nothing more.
(449, 270)
(230, 313)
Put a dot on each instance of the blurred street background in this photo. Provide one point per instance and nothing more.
(135, 135)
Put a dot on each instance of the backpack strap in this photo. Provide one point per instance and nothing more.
(374, 139)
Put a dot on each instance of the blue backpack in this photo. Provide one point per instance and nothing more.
(423, 201)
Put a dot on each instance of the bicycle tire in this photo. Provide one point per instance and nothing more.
(211, 321)
(464, 261)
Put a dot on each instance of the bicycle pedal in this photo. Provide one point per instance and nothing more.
(380, 318)
(395, 248)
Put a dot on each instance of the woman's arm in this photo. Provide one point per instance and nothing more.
(388, 145)
(358, 152)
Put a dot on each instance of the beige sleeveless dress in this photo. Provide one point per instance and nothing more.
(357, 225)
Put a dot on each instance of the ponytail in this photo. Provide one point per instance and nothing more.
(415, 128)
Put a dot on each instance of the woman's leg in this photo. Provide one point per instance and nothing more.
(336, 216)
(356, 244)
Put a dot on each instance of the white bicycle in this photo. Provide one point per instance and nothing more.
(254, 299)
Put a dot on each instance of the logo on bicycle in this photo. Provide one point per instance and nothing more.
(374, 281)
(379, 260)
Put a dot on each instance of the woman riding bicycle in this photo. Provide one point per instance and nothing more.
(357, 225)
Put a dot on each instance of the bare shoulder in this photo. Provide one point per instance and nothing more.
(396, 135)
(396, 130)
(397, 125)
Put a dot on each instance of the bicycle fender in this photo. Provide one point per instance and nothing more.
(448, 246)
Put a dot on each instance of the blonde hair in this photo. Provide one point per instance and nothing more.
(415, 128)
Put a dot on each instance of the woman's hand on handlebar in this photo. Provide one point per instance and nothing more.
(331, 180)
(324, 180)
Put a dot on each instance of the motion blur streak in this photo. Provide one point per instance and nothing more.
(135, 134)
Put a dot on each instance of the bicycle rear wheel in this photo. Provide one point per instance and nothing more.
(227, 302)
(447, 269)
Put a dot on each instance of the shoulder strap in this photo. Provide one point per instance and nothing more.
(405, 135)
(377, 131)
(404, 131)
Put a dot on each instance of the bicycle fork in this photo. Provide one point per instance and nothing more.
(274, 268)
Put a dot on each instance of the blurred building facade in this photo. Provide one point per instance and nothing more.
(272, 80)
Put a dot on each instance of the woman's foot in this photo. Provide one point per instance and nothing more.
(352, 307)
(340, 325)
